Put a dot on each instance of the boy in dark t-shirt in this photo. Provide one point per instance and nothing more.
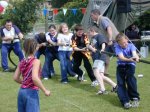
(98, 44)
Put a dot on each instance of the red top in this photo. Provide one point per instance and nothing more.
(25, 67)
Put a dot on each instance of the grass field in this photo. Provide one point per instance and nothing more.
(76, 96)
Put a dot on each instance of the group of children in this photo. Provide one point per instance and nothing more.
(64, 44)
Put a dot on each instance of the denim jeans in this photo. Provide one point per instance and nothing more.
(48, 64)
(65, 65)
(126, 81)
(28, 100)
(4, 53)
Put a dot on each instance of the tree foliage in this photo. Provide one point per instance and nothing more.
(59, 3)
(70, 18)
(144, 21)
(23, 14)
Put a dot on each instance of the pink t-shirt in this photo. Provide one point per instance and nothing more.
(25, 67)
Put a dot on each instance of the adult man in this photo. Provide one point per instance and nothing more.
(11, 36)
(106, 27)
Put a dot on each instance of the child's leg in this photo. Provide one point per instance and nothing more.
(109, 81)
(99, 79)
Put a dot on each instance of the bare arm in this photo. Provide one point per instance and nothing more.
(36, 80)
(109, 32)
(17, 75)
(7, 38)
(121, 56)
(20, 35)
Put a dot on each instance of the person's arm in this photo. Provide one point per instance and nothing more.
(36, 79)
(135, 56)
(103, 47)
(49, 40)
(17, 75)
(123, 58)
(20, 35)
(109, 32)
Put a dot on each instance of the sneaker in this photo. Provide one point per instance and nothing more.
(52, 74)
(45, 78)
(114, 89)
(64, 82)
(95, 83)
(101, 92)
(76, 76)
(8, 70)
(82, 78)
(127, 105)
(135, 102)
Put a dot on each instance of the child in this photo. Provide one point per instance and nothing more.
(65, 50)
(98, 44)
(126, 81)
(30, 68)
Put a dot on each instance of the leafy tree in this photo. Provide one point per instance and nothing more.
(144, 21)
(59, 3)
(70, 18)
(23, 13)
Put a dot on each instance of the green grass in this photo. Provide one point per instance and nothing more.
(75, 96)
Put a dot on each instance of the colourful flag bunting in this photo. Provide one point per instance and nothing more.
(74, 11)
(55, 11)
(45, 11)
(83, 10)
(64, 11)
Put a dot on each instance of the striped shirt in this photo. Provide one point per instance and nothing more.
(25, 67)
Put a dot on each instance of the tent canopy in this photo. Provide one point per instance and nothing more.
(109, 8)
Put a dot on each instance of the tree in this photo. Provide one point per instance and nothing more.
(23, 14)
(70, 18)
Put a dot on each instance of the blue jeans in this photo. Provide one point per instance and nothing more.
(4, 53)
(65, 65)
(28, 100)
(48, 64)
(126, 81)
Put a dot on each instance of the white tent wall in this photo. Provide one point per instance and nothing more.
(109, 8)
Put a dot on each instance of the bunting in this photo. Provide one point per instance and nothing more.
(55, 11)
(74, 11)
(65, 10)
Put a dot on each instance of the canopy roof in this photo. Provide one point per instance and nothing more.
(109, 8)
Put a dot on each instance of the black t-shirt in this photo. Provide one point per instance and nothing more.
(97, 42)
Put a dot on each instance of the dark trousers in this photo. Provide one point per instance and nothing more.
(16, 47)
(127, 84)
(78, 57)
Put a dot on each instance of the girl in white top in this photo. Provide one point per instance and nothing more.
(65, 50)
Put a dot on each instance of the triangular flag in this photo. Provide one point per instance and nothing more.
(74, 11)
(64, 11)
(45, 11)
(83, 10)
(55, 11)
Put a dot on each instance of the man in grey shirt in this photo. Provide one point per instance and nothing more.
(107, 28)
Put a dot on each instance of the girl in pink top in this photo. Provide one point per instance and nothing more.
(29, 68)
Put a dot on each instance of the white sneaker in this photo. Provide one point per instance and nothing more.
(83, 78)
(95, 83)
(45, 78)
(75, 76)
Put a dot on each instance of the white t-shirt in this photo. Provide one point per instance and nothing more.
(65, 39)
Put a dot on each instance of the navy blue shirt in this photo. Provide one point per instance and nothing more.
(97, 42)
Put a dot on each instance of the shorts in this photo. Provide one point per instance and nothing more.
(99, 64)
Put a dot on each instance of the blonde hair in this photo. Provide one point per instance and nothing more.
(60, 27)
(120, 36)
